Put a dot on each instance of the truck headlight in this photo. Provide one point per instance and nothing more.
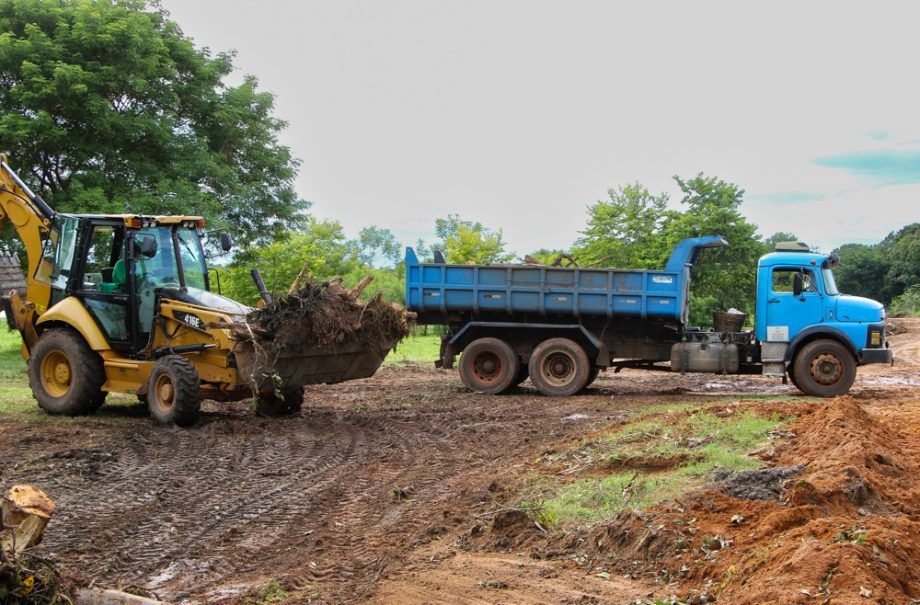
(876, 336)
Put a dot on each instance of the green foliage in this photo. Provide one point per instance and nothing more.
(903, 251)
(769, 243)
(627, 230)
(324, 250)
(727, 274)
(375, 244)
(908, 303)
(464, 241)
(862, 270)
(481, 247)
(885, 271)
(636, 230)
(107, 106)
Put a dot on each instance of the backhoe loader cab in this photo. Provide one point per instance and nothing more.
(119, 303)
(128, 307)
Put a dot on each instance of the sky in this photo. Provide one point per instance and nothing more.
(521, 114)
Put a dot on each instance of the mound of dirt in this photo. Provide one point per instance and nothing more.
(848, 532)
(835, 519)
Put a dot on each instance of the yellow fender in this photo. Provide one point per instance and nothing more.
(71, 311)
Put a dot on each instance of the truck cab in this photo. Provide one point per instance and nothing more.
(805, 325)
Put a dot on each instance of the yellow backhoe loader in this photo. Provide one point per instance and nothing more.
(123, 303)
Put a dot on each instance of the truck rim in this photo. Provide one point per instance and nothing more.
(487, 366)
(164, 393)
(56, 373)
(559, 368)
(826, 369)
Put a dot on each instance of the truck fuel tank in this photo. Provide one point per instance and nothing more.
(711, 357)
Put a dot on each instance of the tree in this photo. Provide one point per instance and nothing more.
(376, 244)
(626, 230)
(321, 246)
(903, 250)
(107, 106)
(723, 277)
(862, 270)
(464, 241)
(769, 244)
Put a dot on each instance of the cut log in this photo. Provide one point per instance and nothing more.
(24, 513)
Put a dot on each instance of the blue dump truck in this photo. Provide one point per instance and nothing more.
(561, 326)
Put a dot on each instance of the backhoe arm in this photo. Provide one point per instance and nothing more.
(31, 216)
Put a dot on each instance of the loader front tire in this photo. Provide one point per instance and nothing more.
(66, 376)
(271, 404)
(174, 391)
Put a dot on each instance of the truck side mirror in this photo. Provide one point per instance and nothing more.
(798, 284)
(149, 246)
(225, 242)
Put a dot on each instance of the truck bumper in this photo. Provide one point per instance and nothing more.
(875, 356)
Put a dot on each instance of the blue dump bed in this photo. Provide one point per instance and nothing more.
(434, 288)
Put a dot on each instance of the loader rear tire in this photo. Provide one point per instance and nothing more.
(824, 368)
(489, 366)
(174, 391)
(271, 405)
(559, 367)
(66, 376)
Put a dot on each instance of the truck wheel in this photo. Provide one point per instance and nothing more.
(66, 376)
(559, 367)
(522, 375)
(824, 368)
(488, 365)
(174, 392)
(270, 404)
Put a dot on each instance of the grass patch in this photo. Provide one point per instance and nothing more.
(665, 451)
(416, 349)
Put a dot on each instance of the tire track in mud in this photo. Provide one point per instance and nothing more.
(238, 500)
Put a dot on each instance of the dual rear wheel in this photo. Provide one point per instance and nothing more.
(558, 367)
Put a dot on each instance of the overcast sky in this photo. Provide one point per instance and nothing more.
(521, 114)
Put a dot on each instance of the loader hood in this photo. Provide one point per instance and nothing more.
(203, 298)
(858, 309)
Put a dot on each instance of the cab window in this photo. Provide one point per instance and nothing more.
(783, 279)
(58, 253)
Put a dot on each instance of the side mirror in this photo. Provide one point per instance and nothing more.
(798, 284)
(225, 242)
(149, 246)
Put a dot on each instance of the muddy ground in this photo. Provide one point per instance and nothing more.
(387, 490)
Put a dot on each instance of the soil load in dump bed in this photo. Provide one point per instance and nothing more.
(318, 333)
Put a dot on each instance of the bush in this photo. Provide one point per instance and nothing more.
(908, 303)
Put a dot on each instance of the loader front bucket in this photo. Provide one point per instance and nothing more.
(264, 369)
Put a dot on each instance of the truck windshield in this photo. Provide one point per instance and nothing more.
(830, 284)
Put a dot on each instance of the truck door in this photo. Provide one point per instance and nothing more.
(788, 314)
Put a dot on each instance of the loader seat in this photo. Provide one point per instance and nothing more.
(119, 278)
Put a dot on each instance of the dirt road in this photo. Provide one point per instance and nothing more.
(364, 495)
